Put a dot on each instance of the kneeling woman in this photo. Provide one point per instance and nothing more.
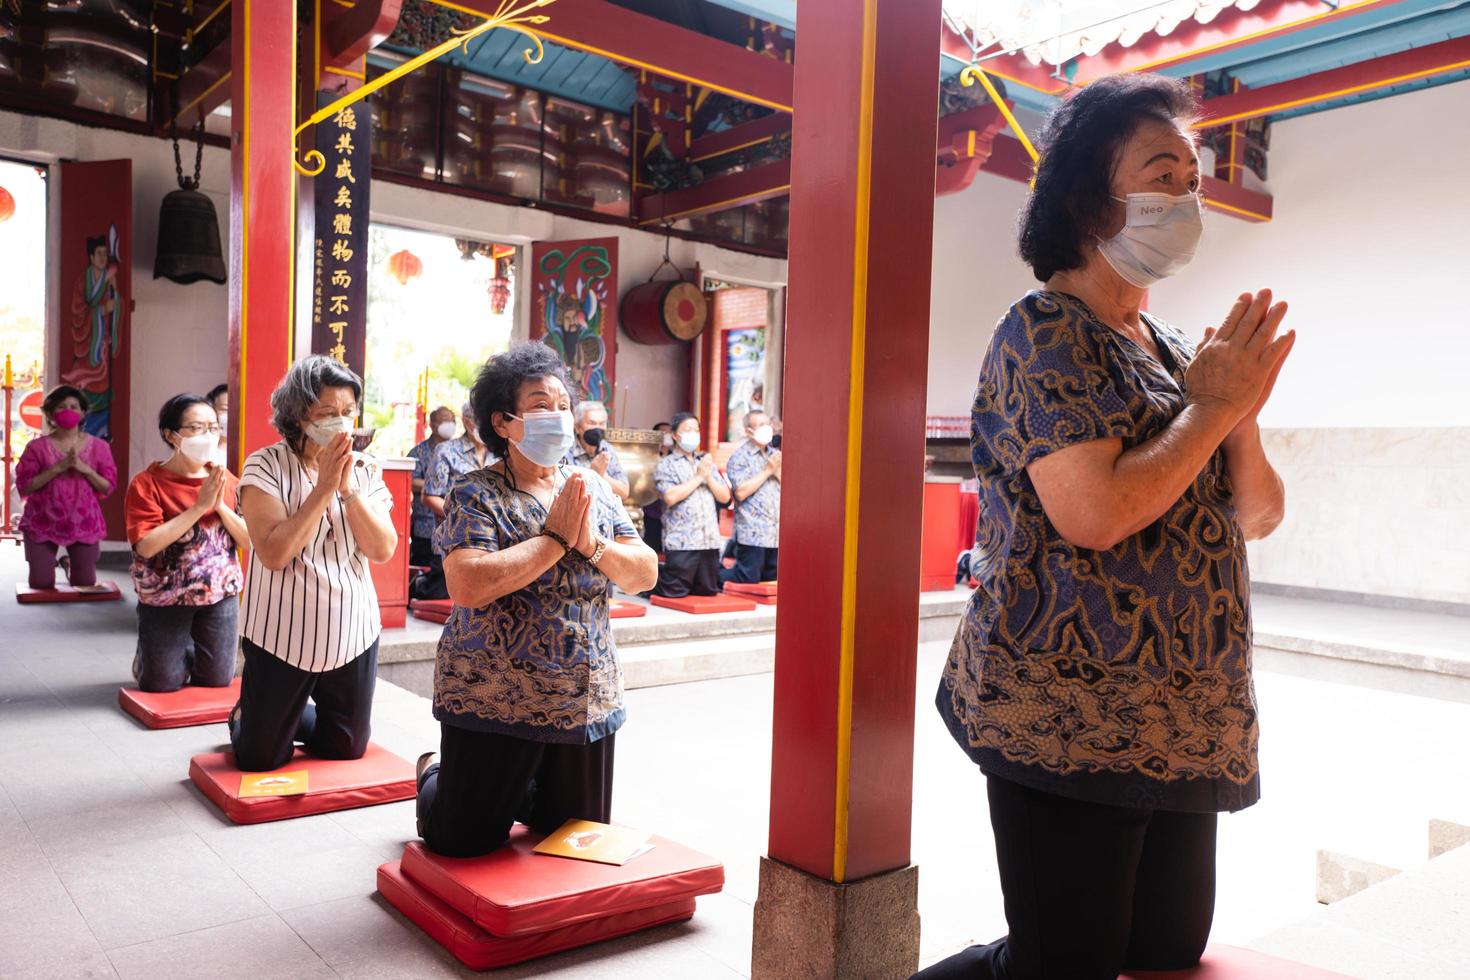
(317, 513)
(184, 530)
(527, 686)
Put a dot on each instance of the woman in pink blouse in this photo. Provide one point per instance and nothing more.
(62, 476)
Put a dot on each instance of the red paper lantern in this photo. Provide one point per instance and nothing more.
(7, 205)
(403, 265)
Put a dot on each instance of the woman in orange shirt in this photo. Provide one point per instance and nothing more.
(184, 531)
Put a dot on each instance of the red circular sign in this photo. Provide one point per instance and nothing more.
(30, 409)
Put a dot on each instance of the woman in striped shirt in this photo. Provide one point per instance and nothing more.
(317, 514)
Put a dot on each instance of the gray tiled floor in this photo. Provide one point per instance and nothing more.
(112, 865)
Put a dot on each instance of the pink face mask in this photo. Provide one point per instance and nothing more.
(67, 418)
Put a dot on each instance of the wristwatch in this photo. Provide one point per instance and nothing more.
(597, 553)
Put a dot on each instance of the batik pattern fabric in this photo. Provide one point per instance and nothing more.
(578, 456)
(693, 524)
(452, 459)
(422, 525)
(539, 663)
(757, 517)
(1120, 676)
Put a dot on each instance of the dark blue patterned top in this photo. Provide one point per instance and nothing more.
(423, 517)
(540, 663)
(1120, 676)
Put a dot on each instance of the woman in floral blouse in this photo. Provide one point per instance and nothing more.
(184, 532)
(527, 686)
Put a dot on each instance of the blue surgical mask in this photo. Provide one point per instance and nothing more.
(689, 442)
(548, 436)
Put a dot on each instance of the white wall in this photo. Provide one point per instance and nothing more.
(1370, 245)
(180, 333)
(977, 276)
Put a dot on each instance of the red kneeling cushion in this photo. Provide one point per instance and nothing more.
(189, 705)
(479, 950)
(1234, 963)
(433, 610)
(66, 593)
(628, 610)
(754, 590)
(514, 892)
(733, 588)
(701, 604)
(332, 784)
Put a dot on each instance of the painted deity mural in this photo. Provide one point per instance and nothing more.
(576, 310)
(95, 338)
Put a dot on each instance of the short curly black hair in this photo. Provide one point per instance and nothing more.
(1079, 145)
(499, 384)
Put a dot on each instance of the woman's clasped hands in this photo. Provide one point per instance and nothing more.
(1237, 363)
(571, 512)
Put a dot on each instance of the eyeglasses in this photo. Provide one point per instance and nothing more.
(200, 428)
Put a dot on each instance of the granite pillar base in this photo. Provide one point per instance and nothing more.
(809, 928)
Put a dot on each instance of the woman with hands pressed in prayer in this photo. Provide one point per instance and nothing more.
(1101, 678)
(182, 524)
(528, 689)
(318, 513)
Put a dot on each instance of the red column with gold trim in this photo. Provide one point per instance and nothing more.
(262, 214)
(862, 204)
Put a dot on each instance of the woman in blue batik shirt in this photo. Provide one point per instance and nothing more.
(528, 690)
(1101, 677)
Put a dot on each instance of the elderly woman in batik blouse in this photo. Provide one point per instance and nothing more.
(1101, 678)
(528, 690)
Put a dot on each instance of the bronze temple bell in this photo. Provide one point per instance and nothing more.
(188, 228)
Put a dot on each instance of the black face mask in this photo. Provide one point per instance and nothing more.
(776, 442)
(594, 437)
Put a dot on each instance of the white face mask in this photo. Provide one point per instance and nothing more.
(1158, 238)
(199, 449)
(763, 435)
(668, 441)
(323, 432)
(445, 430)
(689, 441)
(224, 421)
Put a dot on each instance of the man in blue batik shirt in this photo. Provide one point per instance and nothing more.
(754, 471)
(421, 528)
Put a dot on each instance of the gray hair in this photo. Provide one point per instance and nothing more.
(466, 411)
(590, 406)
(300, 389)
(752, 414)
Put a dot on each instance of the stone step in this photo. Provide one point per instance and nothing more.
(685, 661)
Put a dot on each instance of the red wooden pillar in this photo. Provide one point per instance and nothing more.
(262, 214)
(862, 203)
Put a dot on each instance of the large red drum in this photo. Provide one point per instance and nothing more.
(667, 312)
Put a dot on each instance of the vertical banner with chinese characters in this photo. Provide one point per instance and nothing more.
(340, 248)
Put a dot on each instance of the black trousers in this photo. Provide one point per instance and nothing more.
(752, 564)
(485, 782)
(653, 531)
(1091, 890)
(187, 644)
(420, 551)
(689, 573)
(430, 584)
(273, 713)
